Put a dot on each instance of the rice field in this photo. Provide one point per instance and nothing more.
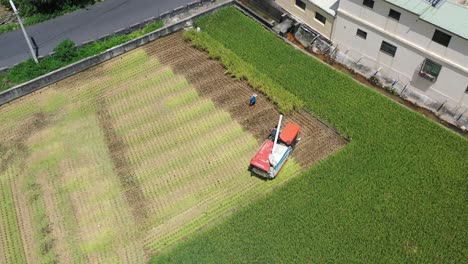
(118, 163)
(396, 194)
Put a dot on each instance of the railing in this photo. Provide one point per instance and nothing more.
(433, 2)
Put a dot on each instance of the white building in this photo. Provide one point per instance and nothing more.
(317, 14)
(422, 41)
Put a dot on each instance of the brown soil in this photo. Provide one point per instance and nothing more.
(291, 38)
(207, 76)
(123, 169)
(6, 16)
(425, 112)
(14, 147)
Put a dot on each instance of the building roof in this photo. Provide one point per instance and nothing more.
(445, 15)
(329, 6)
(414, 6)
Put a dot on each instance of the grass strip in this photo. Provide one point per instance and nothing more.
(238, 68)
(29, 70)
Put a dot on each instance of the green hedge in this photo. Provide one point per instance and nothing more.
(30, 8)
(65, 54)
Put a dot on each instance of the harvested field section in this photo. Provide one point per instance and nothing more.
(187, 159)
(70, 206)
(207, 76)
(11, 247)
(124, 160)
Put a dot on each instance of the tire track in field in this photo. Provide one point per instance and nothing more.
(118, 153)
(16, 147)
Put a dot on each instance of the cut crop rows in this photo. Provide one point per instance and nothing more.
(119, 162)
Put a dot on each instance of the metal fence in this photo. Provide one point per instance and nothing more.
(382, 76)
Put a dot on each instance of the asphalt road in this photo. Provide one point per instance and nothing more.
(82, 25)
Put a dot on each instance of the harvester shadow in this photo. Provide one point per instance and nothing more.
(252, 174)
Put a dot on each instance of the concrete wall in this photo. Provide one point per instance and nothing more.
(55, 76)
(413, 39)
(307, 16)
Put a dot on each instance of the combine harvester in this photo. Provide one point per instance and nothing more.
(272, 155)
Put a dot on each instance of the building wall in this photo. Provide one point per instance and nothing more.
(410, 28)
(308, 16)
(413, 39)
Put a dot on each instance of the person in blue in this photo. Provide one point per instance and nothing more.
(253, 100)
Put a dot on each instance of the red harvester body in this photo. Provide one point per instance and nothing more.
(272, 155)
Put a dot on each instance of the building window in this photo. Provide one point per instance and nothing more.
(300, 4)
(361, 33)
(368, 3)
(430, 70)
(388, 48)
(394, 14)
(441, 38)
(320, 18)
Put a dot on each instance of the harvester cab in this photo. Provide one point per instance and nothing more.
(275, 151)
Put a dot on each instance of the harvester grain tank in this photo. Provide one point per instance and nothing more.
(274, 152)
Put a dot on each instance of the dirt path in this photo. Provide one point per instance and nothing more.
(117, 150)
(207, 76)
(6, 16)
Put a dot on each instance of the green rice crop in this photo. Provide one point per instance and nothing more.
(235, 194)
(240, 69)
(395, 194)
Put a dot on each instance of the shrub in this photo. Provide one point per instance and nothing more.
(66, 51)
(152, 27)
(34, 7)
(3, 81)
(9, 27)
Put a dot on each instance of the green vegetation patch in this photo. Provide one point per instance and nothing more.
(65, 54)
(240, 69)
(396, 193)
(33, 12)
